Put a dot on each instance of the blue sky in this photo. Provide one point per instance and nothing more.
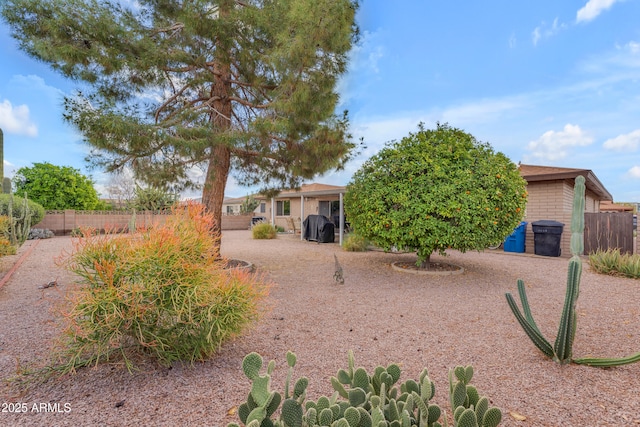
(546, 82)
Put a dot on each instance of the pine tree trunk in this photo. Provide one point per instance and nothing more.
(216, 181)
(220, 116)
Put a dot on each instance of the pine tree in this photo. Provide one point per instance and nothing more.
(237, 86)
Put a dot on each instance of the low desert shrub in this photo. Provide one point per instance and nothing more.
(159, 292)
(615, 263)
(354, 243)
(264, 231)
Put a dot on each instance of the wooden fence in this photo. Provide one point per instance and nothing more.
(608, 230)
(64, 222)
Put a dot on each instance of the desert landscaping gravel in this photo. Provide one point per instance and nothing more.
(383, 315)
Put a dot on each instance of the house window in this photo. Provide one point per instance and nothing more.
(229, 210)
(283, 208)
(263, 207)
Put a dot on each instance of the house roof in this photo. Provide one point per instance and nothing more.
(608, 206)
(533, 173)
(311, 190)
(233, 200)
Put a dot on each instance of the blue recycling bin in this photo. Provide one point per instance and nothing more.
(516, 240)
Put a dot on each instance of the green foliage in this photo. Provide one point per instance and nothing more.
(561, 352)
(249, 205)
(243, 87)
(353, 242)
(434, 190)
(614, 263)
(264, 230)
(153, 199)
(56, 187)
(24, 212)
(159, 292)
(360, 399)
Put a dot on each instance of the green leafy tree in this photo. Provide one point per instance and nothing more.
(434, 190)
(243, 86)
(56, 187)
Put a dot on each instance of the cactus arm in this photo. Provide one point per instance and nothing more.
(607, 362)
(567, 327)
(525, 305)
(532, 331)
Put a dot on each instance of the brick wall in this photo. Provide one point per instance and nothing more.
(553, 200)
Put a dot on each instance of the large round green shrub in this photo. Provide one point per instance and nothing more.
(56, 187)
(434, 190)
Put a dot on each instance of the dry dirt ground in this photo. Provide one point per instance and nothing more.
(383, 315)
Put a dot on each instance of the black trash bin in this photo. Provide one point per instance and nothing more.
(546, 237)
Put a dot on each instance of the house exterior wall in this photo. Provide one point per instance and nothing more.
(553, 200)
(311, 207)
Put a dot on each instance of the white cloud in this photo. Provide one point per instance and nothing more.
(481, 111)
(592, 9)
(627, 143)
(513, 42)
(15, 119)
(634, 172)
(545, 31)
(554, 145)
(633, 47)
(363, 65)
(536, 36)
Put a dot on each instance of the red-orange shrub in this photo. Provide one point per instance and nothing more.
(163, 291)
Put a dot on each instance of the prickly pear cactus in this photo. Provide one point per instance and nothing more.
(469, 408)
(360, 399)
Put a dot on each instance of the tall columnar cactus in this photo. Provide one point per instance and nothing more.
(561, 351)
(20, 226)
(6, 182)
(6, 185)
(1, 154)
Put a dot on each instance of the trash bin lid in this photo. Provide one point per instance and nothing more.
(547, 227)
(547, 223)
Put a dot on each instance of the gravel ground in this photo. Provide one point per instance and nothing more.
(383, 315)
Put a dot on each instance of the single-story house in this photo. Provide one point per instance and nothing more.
(289, 208)
(550, 197)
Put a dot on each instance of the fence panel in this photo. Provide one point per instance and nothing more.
(608, 230)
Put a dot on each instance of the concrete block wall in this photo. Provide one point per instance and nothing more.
(64, 222)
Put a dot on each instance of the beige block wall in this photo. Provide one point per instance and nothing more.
(553, 200)
(64, 222)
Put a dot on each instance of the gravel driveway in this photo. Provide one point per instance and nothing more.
(383, 315)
